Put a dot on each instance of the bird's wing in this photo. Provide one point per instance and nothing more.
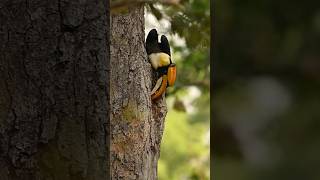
(164, 45)
(152, 45)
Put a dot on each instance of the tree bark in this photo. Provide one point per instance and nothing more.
(136, 122)
(53, 89)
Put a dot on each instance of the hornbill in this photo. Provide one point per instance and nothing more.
(160, 58)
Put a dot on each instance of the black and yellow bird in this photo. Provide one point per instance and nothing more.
(160, 58)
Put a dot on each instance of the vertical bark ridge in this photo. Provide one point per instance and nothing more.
(53, 88)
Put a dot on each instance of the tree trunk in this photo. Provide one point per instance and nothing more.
(136, 122)
(53, 89)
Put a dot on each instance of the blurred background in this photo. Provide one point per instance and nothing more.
(185, 147)
(266, 90)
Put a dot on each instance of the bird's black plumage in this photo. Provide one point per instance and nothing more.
(164, 45)
(152, 45)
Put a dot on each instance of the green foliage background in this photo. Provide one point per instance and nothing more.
(185, 144)
(266, 90)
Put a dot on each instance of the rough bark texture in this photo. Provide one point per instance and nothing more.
(53, 89)
(136, 122)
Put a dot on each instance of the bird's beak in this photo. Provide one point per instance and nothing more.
(157, 86)
(157, 94)
(172, 74)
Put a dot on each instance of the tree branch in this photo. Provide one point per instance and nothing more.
(119, 5)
